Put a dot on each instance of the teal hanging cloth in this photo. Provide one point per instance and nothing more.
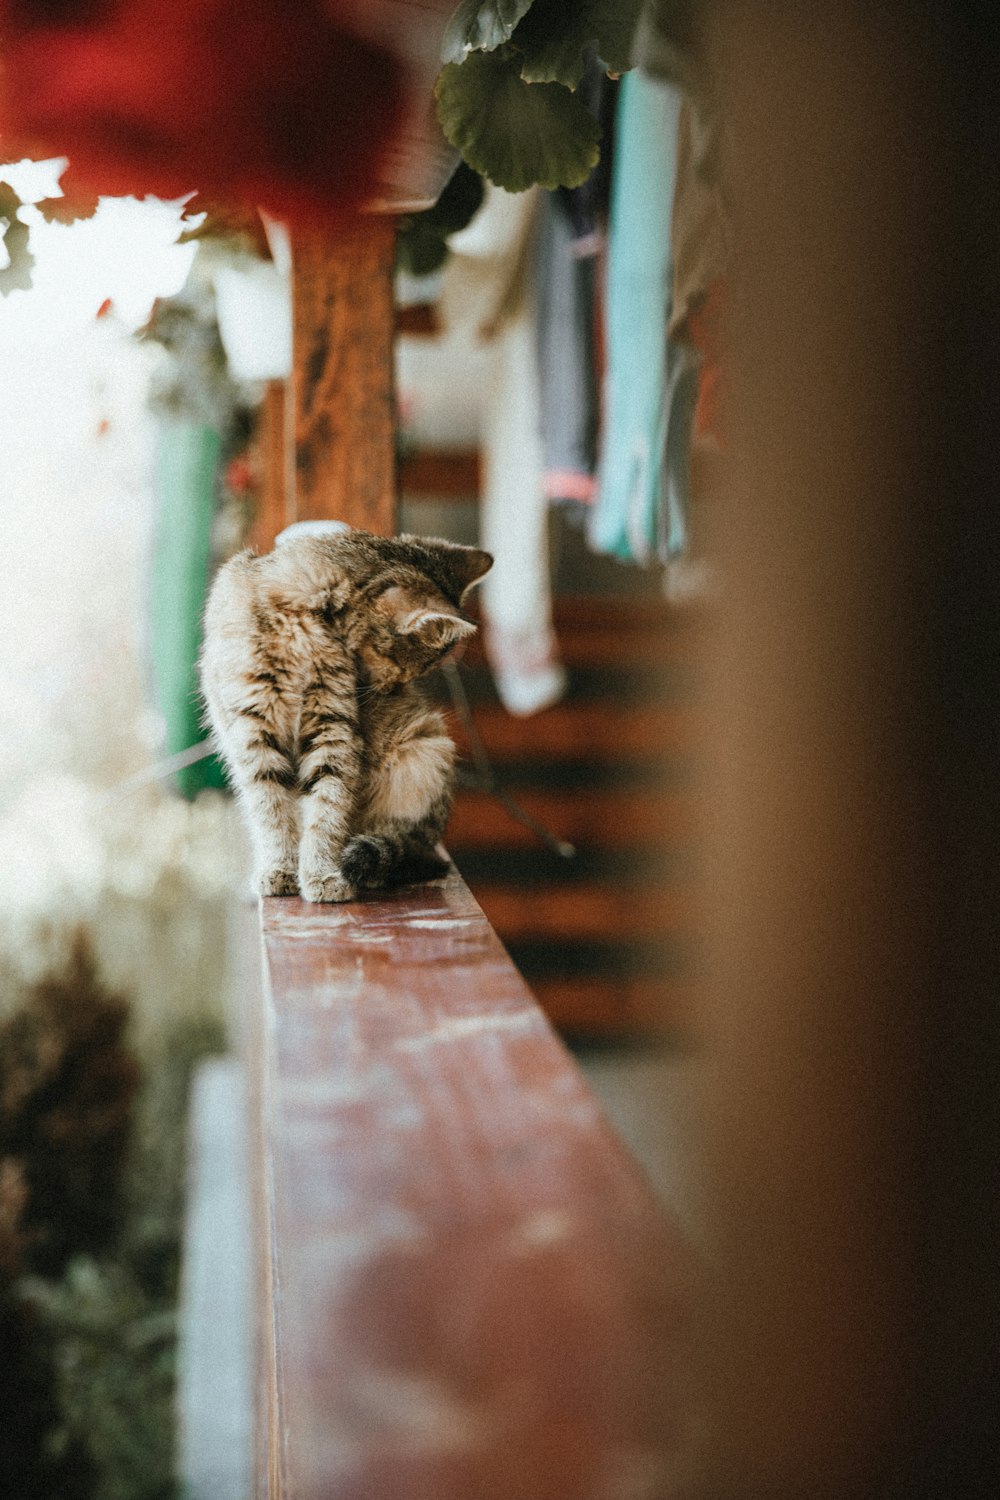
(186, 468)
(648, 386)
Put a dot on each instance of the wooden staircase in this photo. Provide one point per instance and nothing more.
(607, 940)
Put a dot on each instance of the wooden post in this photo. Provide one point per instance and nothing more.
(342, 417)
(270, 513)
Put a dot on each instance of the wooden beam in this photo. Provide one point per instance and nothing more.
(272, 511)
(343, 420)
(441, 474)
(469, 1287)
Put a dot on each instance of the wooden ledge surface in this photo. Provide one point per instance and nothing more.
(470, 1291)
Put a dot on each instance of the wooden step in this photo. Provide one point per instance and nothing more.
(619, 689)
(586, 776)
(537, 867)
(606, 941)
(664, 954)
(586, 1007)
(628, 633)
(575, 913)
(603, 819)
(574, 729)
(623, 631)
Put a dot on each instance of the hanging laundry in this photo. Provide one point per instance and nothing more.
(565, 271)
(701, 247)
(568, 260)
(650, 384)
(488, 289)
(700, 239)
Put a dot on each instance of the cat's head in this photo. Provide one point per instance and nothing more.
(406, 605)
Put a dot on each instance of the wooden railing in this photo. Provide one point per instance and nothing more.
(467, 1288)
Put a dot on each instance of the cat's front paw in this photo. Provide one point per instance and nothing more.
(327, 885)
(278, 883)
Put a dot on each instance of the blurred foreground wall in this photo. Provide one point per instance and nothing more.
(842, 1126)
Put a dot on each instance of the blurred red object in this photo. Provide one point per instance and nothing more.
(257, 101)
(706, 330)
(241, 475)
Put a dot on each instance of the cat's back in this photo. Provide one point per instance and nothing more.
(231, 629)
(233, 595)
(275, 606)
(252, 594)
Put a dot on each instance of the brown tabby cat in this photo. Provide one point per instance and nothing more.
(308, 670)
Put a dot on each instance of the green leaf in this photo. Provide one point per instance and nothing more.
(421, 245)
(460, 198)
(515, 133)
(420, 248)
(555, 35)
(614, 23)
(552, 40)
(480, 26)
(16, 275)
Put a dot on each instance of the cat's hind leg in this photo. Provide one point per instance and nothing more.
(408, 805)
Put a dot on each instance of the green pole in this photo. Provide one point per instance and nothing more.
(187, 463)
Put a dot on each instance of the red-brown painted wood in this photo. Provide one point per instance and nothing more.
(475, 1295)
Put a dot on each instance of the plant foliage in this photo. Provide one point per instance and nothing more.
(90, 1238)
(556, 37)
(16, 274)
(513, 132)
(480, 25)
(506, 92)
(67, 1082)
(421, 246)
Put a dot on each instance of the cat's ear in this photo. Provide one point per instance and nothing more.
(467, 566)
(432, 621)
(437, 629)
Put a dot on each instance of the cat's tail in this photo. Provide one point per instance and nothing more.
(371, 860)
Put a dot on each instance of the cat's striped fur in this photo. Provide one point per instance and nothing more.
(309, 672)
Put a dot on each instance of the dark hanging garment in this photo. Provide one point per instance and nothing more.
(566, 265)
(568, 247)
